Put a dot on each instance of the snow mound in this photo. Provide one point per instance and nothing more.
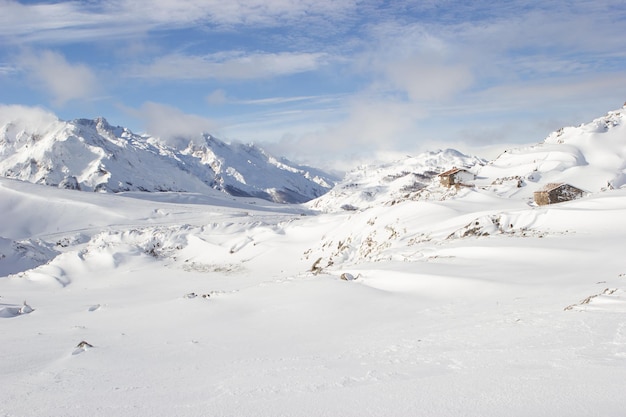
(22, 255)
(12, 310)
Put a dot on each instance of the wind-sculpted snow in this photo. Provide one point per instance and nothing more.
(92, 155)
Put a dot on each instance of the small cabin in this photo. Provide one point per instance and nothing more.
(456, 177)
(557, 193)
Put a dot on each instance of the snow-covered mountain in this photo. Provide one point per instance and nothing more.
(414, 177)
(591, 157)
(92, 155)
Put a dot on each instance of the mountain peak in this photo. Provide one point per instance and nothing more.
(412, 177)
(92, 155)
(98, 122)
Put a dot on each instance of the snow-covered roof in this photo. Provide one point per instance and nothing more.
(452, 171)
(554, 185)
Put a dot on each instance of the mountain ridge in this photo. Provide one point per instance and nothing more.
(93, 155)
(591, 156)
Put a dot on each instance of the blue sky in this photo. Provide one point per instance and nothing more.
(332, 83)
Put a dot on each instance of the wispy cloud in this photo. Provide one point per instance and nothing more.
(229, 66)
(234, 12)
(170, 124)
(35, 119)
(283, 100)
(52, 22)
(367, 125)
(62, 80)
(6, 69)
(219, 96)
(81, 21)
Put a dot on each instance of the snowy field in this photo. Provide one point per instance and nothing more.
(195, 305)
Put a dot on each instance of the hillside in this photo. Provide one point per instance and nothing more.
(414, 177)
(92, 155)
(591, 156)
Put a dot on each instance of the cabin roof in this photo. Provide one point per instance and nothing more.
(452, 171)
(552, 186)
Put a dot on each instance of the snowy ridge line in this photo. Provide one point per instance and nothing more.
(92, 155)
(591, 157)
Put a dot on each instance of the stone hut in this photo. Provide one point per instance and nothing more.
(456, 177)
(556, 193)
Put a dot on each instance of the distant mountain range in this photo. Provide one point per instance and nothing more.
(92, 155)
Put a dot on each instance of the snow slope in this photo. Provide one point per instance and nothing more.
(187, 304)
(591, 156)
(193, 308)
(410, 178)
(92, 155)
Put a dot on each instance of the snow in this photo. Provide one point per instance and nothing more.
(369, 186)
(590, 156)
(92, 155)
(440, 302)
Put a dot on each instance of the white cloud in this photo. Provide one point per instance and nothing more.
(281, 100)
(371, 125)
(35, 119)
(60, 79)
(428, 80)
(84, 21)
(414, 61)
(230, 66)
(51, 22)
(7, 69)
(256, 12)
(217, 97)
(171, 124)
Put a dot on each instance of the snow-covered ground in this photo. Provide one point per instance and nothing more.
(390, 296)
(192, 305)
